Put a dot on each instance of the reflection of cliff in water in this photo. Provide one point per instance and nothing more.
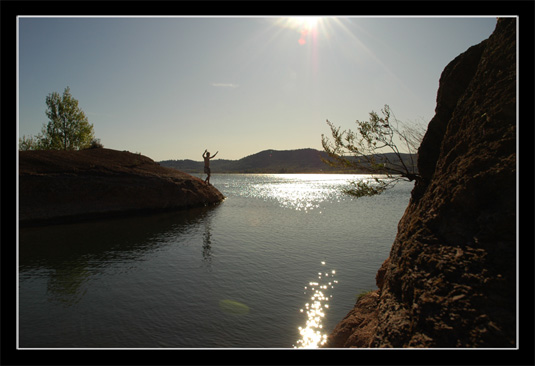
(69, 255)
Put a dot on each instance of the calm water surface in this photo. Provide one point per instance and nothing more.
(276, 265)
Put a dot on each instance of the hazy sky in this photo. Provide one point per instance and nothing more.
(170, 87)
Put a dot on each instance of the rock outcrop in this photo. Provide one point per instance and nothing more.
(450, 280)
(59, 186)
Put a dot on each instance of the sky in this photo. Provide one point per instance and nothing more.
(171, 87)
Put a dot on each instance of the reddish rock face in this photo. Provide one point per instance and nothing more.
(74, 185)
(450, 280)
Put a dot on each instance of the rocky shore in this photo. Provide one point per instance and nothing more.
(61, 186)
(450, 280)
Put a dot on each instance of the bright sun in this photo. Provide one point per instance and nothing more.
(305, 25)
(309, 27)
(301, 23)
(306, 22)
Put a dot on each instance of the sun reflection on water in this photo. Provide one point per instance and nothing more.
(301, 192)
(312, 335)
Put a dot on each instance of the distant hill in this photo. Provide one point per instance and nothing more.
(267, 161)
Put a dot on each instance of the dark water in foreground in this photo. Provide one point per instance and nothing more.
(276, 265)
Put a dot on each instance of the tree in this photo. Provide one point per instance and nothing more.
(68, 127)
(31, 143)
(365, 151)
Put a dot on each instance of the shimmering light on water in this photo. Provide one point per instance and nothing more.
(301, 192)
(312, 334)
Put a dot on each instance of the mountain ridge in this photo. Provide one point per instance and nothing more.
(270, 161)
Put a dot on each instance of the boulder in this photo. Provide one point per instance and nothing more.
(60, 186)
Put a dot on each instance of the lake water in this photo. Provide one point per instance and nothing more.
(276, 265)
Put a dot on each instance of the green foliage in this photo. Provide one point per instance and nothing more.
(363, 188)
(68, 127)
(375, 149)
(96, 144)
(363, 293)
(31, 143)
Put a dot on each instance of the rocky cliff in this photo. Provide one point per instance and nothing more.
(450, 280)
(72, 185)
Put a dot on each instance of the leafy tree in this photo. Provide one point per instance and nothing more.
(31, 143)
(68, 127)
(365, 151)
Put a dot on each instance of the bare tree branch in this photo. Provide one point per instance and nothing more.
(363, 151)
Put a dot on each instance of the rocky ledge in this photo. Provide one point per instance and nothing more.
(450, 280)
(60, 186)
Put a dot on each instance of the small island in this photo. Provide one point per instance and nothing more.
(64, 186)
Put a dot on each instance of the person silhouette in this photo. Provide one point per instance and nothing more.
(206, 156)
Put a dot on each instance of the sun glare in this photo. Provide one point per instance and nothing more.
(313, 334)
(307, 23)
(307, 26)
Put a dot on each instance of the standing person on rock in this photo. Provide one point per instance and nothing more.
(206, 157)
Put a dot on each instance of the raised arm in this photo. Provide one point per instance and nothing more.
(213, 156)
